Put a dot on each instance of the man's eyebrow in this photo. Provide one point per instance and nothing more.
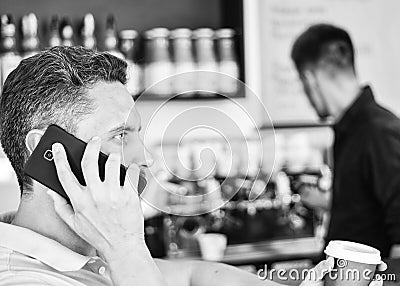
(123, 128)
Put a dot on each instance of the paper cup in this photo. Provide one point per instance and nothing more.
(212, 246)
(355, 263)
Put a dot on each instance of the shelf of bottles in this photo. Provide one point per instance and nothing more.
(154, 57)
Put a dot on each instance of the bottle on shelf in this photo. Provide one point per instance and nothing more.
(228, 64)
(87, 32)
(158, 65)
(54, 32)
(128, 47)
(111, 39)
(207, 82)
(9, 58)
(184, 81)
(66, 32)
(30, 39)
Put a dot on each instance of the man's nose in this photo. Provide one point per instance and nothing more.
(147, 159)
(141, 156)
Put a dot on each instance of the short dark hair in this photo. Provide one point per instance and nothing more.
(50, 88)
(323, 42)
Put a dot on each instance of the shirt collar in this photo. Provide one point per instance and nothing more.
(354, 113)
(44, 249)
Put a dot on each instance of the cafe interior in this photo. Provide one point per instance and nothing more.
(232, 136)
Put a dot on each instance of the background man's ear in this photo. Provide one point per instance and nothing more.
(32, 139)
(310, 78)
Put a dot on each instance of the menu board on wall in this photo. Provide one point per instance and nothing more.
(281, 21)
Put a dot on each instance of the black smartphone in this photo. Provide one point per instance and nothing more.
(40, 165)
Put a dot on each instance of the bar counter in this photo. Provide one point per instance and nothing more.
(261, 252)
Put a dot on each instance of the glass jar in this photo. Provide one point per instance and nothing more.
(67, 32)
(158, 66)
(128, 49)
(54, 32)
(207, 82)
(87, 32)
(9, 59)
(228, 64)
(30, 40)
(111, 39)
(184, 81)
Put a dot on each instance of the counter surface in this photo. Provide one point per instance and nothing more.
(264, 251)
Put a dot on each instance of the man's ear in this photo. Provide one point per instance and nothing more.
(310, 78)
(32, 139)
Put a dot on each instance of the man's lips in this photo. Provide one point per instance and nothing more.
(142, 172)
(142, 181)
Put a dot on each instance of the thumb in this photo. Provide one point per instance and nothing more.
(62, 208)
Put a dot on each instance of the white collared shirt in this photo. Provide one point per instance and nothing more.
(28, 258)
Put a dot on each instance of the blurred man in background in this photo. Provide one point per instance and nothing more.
(365, 204)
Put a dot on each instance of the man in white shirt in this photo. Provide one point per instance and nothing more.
(98, 239)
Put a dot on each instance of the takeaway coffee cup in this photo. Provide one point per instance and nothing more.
(212, 246)
(355, 263)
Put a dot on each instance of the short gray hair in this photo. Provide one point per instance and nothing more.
(50, 88)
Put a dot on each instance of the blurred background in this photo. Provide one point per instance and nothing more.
(249, 40)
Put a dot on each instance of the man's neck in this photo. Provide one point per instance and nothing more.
(36, 212)
(347, 94)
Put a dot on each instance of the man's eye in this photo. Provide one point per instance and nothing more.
(119, 137)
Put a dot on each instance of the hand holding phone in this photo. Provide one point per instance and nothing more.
(89, 198)
(98, 206)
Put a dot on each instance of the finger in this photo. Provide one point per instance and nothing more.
(113, 169)
(320, 270)
(63, 209)
(67, 179)
(90, 162)
(382, 266)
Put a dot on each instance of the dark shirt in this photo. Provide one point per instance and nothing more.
(366, 184)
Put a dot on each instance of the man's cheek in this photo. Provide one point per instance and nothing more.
(109, 147)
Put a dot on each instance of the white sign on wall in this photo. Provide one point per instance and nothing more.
(281, 21)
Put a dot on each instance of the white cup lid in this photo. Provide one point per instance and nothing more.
(353, 251)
